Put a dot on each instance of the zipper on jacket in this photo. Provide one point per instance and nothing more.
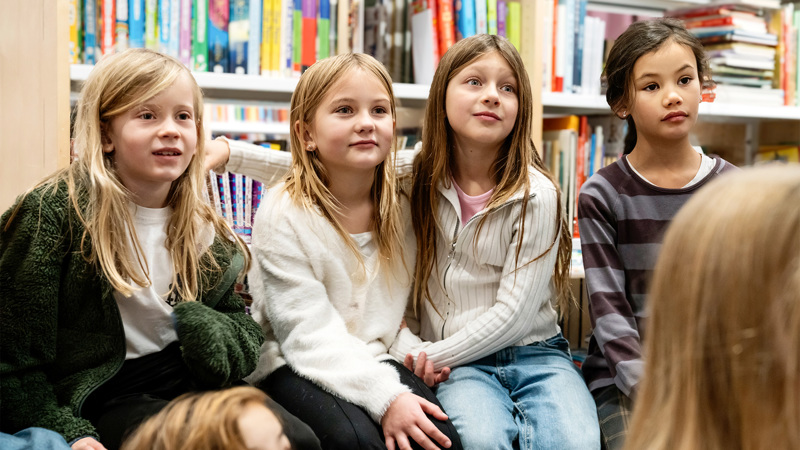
(453, 250)
(116, 370)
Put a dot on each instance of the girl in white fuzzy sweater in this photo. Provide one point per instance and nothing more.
(333, 266)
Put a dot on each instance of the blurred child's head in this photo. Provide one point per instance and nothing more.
(232, 419)
(643, 38)
(723, 334)
(119, 87)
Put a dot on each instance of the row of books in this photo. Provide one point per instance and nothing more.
(280, 38)
(236, 197)
(218, 112)
(752, 52)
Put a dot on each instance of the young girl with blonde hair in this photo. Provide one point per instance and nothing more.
(333, 270)
(117, 291)
(655, 74)
(723, 329)
(239, 418)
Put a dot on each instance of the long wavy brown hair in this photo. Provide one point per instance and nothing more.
(433, 166)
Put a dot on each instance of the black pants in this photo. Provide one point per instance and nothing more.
(338, 423)
(145, 385)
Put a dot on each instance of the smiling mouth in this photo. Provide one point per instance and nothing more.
(167, 153)
(363, 143)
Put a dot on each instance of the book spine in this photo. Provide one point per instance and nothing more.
(447, 32)
(121, 31)
(238, 36)
(136, 25)
(275, 38)
(502, 12)
(200, 36)
(150, 24)
(465, 19)
(514, 24)
(297, 37)
(185, 45)
(491, 16)
(90, 31)
(109, 23)
(480, 17)
(218, 18)
(577, 60)
(308, 52)
(287, 33)
(214, 181)
(174, 44)
(74, 31)
(324, 29)
(265, 47)
(255, 25)
(164, 16)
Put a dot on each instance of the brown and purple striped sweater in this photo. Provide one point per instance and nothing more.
(622, 220)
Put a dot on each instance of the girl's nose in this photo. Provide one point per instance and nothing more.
(673, 98)
(169, 128)
(490, 95)
(365, 122)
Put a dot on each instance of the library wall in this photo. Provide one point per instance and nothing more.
(34, 93)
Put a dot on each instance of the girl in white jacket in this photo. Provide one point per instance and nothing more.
(333, 265)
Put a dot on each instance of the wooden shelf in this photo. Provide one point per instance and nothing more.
(557, 104)
(251, 88)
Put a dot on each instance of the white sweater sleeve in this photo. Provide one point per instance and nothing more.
(313, 337)
(524, 288)
(265, 165)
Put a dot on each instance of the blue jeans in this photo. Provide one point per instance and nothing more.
(533, 396)
(33, 439)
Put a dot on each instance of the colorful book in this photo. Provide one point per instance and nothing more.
(287, 33)
(324, 29)
(481, 17)
(297, 37)
(121, 31)
(185, 33)
(90, 32)
(150, 24)
(502, 12)
(264, 28)
(218, 19)
(74, 31)
(238, 36)
(447, 31)
(136, 24)
(514, 24)
(164, 24)
(275, 38)
(465, 19)
(108, 21)
(200, 35)
(174, 44)
(308, 51)
(491, 16)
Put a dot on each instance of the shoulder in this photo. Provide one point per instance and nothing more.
(722, 166)
(48, 204)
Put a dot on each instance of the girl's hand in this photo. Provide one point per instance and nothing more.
(424, 369)
(405, 419)
(217, 154)
(87, 443)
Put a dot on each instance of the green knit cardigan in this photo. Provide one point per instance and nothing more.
(61, 333)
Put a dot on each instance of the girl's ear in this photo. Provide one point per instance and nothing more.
(108, 146)
(306, 137)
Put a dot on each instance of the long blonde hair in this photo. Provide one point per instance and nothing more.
(723, 343)
(433, 166)
(117, 84)
(307, 182)
(198, 421)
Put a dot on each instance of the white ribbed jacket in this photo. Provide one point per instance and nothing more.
(488, 300)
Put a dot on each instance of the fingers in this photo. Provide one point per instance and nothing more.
(428, 429)
(420, 367)
(431, 409)
(409, 362)
(389, 442)
(442, 376)
(429, 376)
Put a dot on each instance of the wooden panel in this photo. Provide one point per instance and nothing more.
(34, 93)
(532, 41)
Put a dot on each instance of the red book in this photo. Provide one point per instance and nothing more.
(447, 31)
(308, 55)
(715, 10)
(108, 16)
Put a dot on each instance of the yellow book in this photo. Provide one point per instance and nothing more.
(74, 29)
(275, 39)
(266, 37)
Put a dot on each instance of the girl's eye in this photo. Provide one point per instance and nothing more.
(685, 80)
(344, 110)
(508, 88)
(380, 110)
(651, 87)
(184, 116)
(473, 82)
(147, 116)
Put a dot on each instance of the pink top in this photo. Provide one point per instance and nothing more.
(470, 205)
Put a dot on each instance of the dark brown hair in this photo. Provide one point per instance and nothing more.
(638, 40)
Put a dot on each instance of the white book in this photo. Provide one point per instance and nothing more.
(254, 39)
(547, 51)
(422, 43)
(481, 17)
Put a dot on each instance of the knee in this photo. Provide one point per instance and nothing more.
(482, 437)
(573, 438)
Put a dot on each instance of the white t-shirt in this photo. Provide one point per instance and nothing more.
(706, 166)
(147, 314)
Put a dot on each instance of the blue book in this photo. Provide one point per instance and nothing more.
(218, 15)
(136, 23)
(465, 19)
(238, 36)
(579, 30)
(254, 42)
(164, 24)
(90, 32)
